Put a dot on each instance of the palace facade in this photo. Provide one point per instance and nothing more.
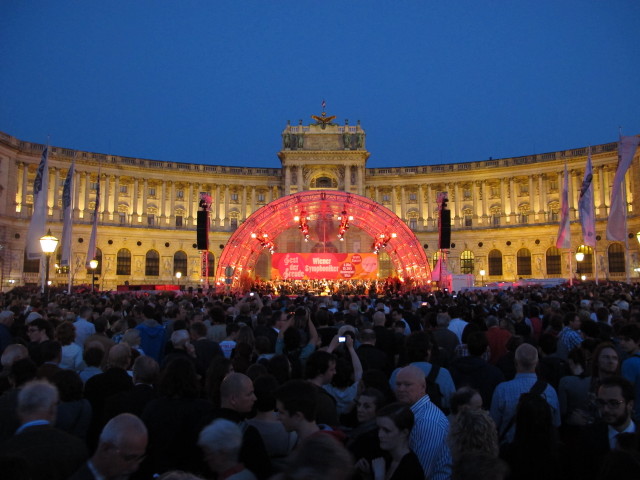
(504, 212)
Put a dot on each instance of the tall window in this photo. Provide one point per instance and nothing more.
(466, 262)
(180, 263)
(178, 220)
(152, 264)
(523, 258)
(554, 261)
(123, 262)
(616, 258)
(495, 263)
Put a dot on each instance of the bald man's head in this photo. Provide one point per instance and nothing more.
(526, 358)
(410, 384)
(236, 393)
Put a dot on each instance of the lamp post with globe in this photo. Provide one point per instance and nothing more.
(93, 264)
(48, 244)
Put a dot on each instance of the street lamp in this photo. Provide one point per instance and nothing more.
(580, 258)
(178, 277)
(482, 272)
(93, 264)
(48, 244)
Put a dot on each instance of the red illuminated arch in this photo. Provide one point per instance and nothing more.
(242, 250)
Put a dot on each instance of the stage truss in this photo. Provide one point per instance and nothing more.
(261, 230)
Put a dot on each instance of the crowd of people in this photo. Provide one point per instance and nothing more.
(520, 383)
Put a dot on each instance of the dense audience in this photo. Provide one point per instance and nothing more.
(315, 382)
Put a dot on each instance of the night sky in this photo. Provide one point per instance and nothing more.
(215, 82)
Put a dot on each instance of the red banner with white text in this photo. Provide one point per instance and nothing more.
(318, 266)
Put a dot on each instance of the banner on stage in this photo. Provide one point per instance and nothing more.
(317, 266)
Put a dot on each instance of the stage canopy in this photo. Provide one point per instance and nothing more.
(260, 231)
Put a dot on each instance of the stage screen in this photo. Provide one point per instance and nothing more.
(317, 266)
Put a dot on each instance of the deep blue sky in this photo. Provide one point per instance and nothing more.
(215, 82)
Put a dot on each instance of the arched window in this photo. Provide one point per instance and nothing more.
(554, 261)
(30, 266)
(523, 257)
(616, 258)
(495, 263)
(123, 262)
(152, 264)
(180, 263)
(585, 267)
(466, 262)
(99, 259)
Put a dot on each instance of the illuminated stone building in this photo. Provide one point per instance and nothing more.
(504, 212)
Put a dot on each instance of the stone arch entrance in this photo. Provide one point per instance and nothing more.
(262, 228)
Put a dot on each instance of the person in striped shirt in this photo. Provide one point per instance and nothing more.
(429, 433)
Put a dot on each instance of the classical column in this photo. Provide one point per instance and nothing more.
(190, 220)
(163, 204)
(253, 200)
(573, 197)
(512, 191)
(361, 173)
(243, 211)
(600, 194)
(403, 204)
(134, 201)
(485, 198)
(76, 194)
(541, 208)
(421, 205)
(300, 178)
(287, 180)
(457, 202)
(347, 178)
(532, 206)
(215, 204)
(227, 202)
(429, 203)
(171, 216)
(475, 199)
(503, 194)
(393, 200)
(23, 189)
(87, 189)
(106, 198)
(145, 194)
(116, 196)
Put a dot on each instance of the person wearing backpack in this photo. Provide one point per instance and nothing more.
(507, 394)
(419, 347)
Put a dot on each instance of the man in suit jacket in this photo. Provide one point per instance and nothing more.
(615, 399)
(51, 454)
(145, 376)
(122, 446)
(99, 387)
